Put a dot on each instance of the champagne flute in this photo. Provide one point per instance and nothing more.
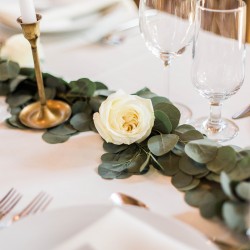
(219, 61)
(167, 27)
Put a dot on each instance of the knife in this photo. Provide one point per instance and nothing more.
(241, 114)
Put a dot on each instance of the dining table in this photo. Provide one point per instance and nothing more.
(69, 171)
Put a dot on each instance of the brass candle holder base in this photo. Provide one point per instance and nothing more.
(45, 113)
(47, 116)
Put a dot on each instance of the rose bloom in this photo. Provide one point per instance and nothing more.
(17, 48)
(124, 119)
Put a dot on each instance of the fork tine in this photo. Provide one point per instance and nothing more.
(11, 205)
(6, 198)
(42, 205)
(41, 200)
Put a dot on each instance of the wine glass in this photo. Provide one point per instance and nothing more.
(219, 61)
(167, 27)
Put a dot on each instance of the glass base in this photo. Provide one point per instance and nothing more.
(227, 131)
(186, 113)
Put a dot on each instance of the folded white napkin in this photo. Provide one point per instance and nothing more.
(121, 230)
(75, 15)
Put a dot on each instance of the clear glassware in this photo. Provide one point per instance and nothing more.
(219, 61)
(167, 27)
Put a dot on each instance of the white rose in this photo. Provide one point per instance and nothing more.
(17, 48)
(124, 119)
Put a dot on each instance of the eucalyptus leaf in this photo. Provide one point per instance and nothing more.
(202, 151)
(209, 206)
(235, 215)
(95, 102)
(226, 186)
(18, 98)
(194, 197)
(63, 129)
(4, 88)
(100, 85)
(184, 128)
(14, 122)
(190, 135)
(189, 166)
(112, 148)
(242, 170)
(54, 138)
(159, 99)
(162, 122)
(81, 122)
(181, 180)
(79, 107)
(105, 172)
(171, 111)
(8, 70)
(162, 144)
(83, 87)
(195, 183)
(243, 190)
(16, 81)
(169, 164)
(213, 177)
(225, 160)
(145, 93)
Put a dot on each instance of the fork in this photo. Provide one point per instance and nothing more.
(38, 204)
(8, 202)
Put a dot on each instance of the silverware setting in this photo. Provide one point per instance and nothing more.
(243, 113)
(12, 198)
(123, 199)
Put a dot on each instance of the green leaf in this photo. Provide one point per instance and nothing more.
(169, 164)
(83, 87)
(209, 205)
(79, 107)
(106, 173)
(191, 167)
(243, 190)
(184, 128)
(225, 160)
(95, 102)
(112, 148)
(213, 177)
(145, 93)
(63, 129)
(16, 81)
(81, 122)
(8, 70)
(181, 180)
(54, 82)
(171, 111)
(195, 183)
(202, 151)
(4, 88)
(54, 139)
(103, 92)
(242, 170)
(194, 197)
(100, 85)
(235, 215)
(159, 99)
(18, 98)
(226, 186)
(14, 122)
(162, 122)
(190, 135)
(162, 144)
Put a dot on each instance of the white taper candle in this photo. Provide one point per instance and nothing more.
(28, 11)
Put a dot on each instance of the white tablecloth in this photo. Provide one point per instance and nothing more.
(68, 171)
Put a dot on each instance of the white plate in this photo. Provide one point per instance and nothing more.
(50, 229)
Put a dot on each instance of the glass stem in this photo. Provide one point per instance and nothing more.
(214, 123)
(167, 70)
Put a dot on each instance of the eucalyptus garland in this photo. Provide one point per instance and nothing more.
(214, 178)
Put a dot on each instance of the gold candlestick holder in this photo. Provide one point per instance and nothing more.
(44, 113)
